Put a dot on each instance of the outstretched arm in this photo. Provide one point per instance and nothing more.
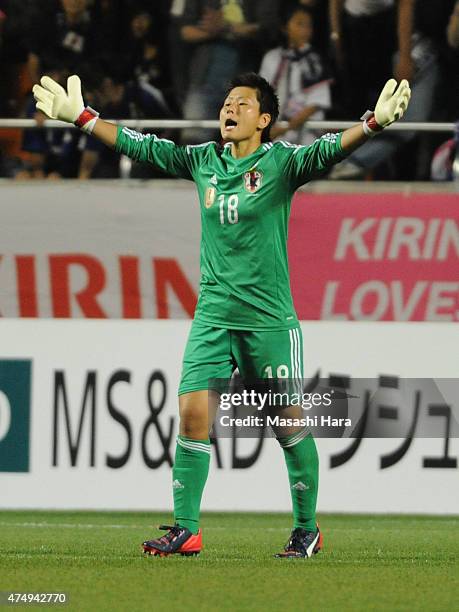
(106, 132)
(310, 162)
(68, 106)
(391, 105)
(57, 103)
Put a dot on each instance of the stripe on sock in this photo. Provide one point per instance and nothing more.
(295, 439)
(194, 446)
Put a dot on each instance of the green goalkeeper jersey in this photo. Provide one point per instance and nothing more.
(245, 206)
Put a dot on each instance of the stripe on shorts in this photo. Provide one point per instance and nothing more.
(295, 360)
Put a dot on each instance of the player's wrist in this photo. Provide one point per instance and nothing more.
(86, 119)
(370, 126)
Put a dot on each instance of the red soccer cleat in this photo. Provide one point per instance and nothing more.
(178, 540)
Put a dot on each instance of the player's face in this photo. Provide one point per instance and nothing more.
(240, 117)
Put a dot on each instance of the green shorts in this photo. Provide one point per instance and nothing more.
(212, 352)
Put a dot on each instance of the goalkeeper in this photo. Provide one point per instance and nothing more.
(245, 316)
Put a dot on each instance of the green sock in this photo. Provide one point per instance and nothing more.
(189, 475)
(302, 461)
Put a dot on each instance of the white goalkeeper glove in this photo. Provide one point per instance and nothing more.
(56, 103)
(391, 105)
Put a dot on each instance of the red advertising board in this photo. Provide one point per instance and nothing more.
(377, 256)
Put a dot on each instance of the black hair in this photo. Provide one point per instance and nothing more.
(266, 96)
(291, 9)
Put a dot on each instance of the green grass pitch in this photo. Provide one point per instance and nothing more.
(369, 563)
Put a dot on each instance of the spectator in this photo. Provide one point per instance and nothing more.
(453, 28)
(319, 10)
(364, 35)
(68, 34)
(13, 54)
(298, 74)
(3, 62)
(143, 68)
(452, 64)
(114, 100)
(433, 21)
(441, 167)
(117, 100)
(445, 162)
(228, 36)
(15, 16)
(425, 59)
(109, 18)
(178, 52)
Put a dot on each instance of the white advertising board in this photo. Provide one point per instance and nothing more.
(88, 419)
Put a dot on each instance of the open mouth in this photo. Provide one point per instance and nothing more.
(230, 124)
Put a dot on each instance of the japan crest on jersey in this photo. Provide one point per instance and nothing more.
(253, 180)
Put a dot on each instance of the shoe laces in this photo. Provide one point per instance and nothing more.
(299, 540)
(173, 532)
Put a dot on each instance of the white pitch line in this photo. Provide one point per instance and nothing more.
(71, 525)
(35, 525)
(115, 526)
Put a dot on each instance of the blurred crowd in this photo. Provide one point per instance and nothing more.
(160, 59)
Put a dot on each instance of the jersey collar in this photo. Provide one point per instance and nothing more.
(240, 161)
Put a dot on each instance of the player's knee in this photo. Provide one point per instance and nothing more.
(193, 425)
(194, 420)
(194, 431)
